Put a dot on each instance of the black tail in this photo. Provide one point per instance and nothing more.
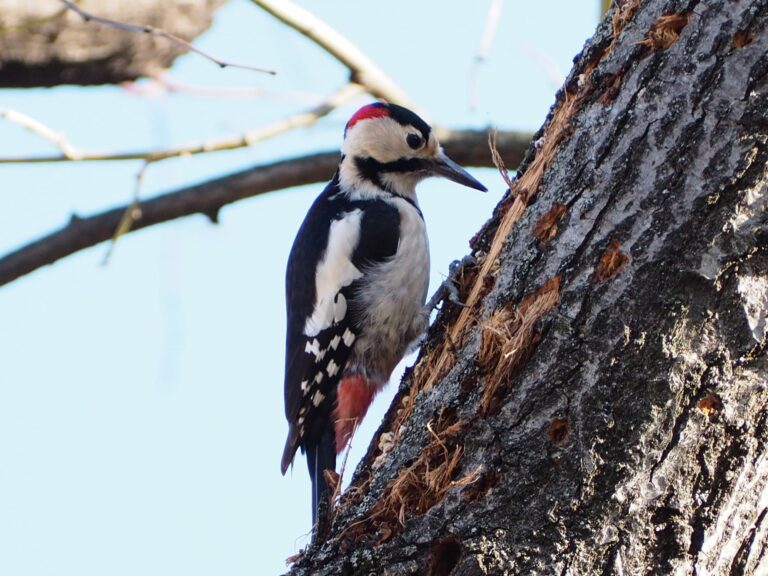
(320, 457)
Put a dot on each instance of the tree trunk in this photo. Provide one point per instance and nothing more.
(42, 43)
(600, 405)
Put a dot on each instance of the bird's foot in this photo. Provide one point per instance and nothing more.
(449, 290)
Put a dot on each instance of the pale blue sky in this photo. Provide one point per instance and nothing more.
(141, 417)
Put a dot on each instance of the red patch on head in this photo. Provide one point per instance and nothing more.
(353, 397)
(376, 110)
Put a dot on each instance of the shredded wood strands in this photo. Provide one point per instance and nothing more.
(294, 558)
(742, 38)
(422, 485)
(418, 487)
(611, 262)
(498, 161)
(524, 189)
(499, 329)
(421, 377)
(436, 365)
(355, 492)
(621, 17)
(546, 226)
(334, 482)
(710, 405)
(666, 31)
(507, 341)
(508, 338)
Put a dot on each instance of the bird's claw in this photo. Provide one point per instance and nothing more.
(449, 290)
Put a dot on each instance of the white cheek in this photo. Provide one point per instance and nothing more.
(380, 138)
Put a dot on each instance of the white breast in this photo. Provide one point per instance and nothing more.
(393, 299)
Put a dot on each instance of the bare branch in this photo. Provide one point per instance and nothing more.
(544, 62)
(363, 70)
(146, 29)
(486, 40)
(468, 147)
(131, 214)
(306, 118)
(68, 151)
(29, 56)
(163, 82)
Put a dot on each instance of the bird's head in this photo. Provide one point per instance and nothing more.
(389, 148)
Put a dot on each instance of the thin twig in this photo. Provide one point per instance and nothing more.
(163, 82)
(545, 62)
(146, 29)
(486, 40)
(68, 151)
(132, 214)
(363, 70)
(344, 94)
(498, 161)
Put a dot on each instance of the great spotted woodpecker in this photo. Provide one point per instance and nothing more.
(357, 281)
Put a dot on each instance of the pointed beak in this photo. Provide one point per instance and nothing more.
(447, 168)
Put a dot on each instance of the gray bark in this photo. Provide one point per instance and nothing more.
(602, 406)
(42, 43)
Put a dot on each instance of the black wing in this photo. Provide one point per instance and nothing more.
(321, 331)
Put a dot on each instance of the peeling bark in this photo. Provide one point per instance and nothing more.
(601, 407)
(42, 43)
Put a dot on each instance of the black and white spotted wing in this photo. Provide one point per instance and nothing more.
(338, 241)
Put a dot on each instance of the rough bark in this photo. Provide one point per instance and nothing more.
(601, 405)
(42, 43)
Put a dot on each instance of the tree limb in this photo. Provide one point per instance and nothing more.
(131, 214)
(43, 43)
(363, 70)
(300, 119)
(468, 147)
(158, 32)
(68, 152)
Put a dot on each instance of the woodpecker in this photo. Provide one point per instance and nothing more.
(356, 282)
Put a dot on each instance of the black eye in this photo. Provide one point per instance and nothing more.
(414, 141)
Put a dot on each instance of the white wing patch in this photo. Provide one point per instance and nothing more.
(314, 348)
(348, 338)
(340, 306)
(334, 272)
(318, 398)
(334, 343)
